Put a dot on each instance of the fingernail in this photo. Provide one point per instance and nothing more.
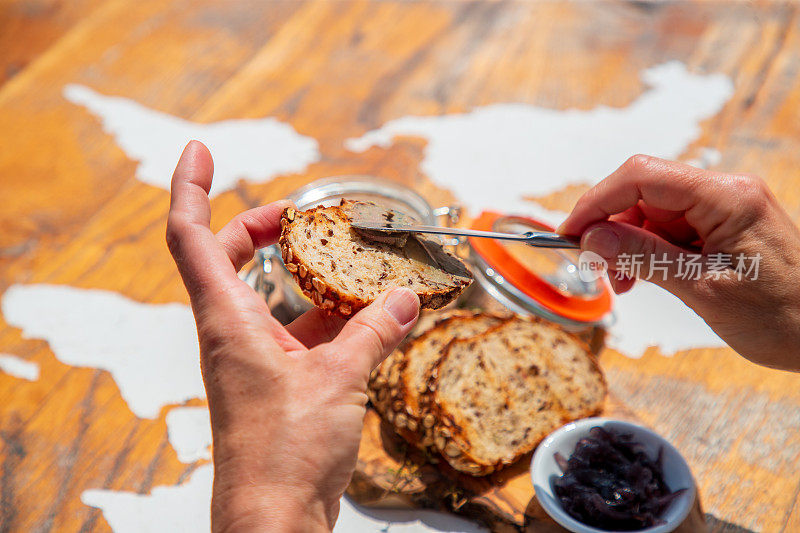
(602, 241)
(403, 305)
(188, 152)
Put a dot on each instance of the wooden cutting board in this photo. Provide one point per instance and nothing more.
(393, 474)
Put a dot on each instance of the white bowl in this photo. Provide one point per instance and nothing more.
(544, 471)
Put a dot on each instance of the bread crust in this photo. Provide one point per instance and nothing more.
(326, 296)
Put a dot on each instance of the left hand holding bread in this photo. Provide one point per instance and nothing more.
(287, 403)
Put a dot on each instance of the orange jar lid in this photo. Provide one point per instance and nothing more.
(548, 276)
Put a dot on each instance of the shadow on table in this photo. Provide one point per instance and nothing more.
(435, 520)
(715, 525)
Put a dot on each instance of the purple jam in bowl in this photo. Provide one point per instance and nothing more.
(609, 482)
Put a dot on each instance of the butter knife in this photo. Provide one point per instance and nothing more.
(543, 239)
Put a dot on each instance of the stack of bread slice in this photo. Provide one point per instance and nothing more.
(484, 389)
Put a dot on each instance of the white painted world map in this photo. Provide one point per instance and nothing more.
(151, 350)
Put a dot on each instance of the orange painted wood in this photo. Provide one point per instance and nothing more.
(73, 212)
(29, 27)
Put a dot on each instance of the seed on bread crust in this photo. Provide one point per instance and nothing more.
(451, 450)
(302, 271)
(382, 394)
(401, 420)
(476, 470)
(320, 286)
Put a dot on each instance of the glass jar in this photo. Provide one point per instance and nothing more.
(513, 276)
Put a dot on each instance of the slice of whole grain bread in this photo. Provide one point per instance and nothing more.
(400, 383)
(496, 395)
(343, 271)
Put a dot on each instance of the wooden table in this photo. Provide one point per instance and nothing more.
(74, 213)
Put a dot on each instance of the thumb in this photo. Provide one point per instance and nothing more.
(375, 331)
(634, 252)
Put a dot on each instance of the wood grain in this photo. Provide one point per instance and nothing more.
(73, 212)
(29, 27)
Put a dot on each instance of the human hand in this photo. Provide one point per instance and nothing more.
(661, 209)
(287, 403)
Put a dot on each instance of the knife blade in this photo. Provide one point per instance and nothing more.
(544, 239)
